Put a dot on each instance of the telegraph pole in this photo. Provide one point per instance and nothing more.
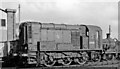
(19, 12)
(110, 29)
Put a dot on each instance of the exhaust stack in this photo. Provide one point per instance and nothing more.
(10, 24)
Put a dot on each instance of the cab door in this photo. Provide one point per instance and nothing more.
(85, 42)
(91, 40)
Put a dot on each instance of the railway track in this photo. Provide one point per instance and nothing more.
(90, 65)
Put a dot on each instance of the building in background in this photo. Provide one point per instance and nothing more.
(3, 30)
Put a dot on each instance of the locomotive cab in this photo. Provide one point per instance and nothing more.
(92, 37)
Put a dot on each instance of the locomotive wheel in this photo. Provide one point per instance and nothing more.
(110, 57)
(96, 57)
(66, 61)
(49, 61)
(83, 59)
(118, 57)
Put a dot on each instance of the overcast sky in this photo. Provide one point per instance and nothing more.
(96, 12)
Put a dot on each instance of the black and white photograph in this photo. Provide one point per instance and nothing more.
(59, 34)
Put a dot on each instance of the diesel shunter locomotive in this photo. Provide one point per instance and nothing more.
(49, 43)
